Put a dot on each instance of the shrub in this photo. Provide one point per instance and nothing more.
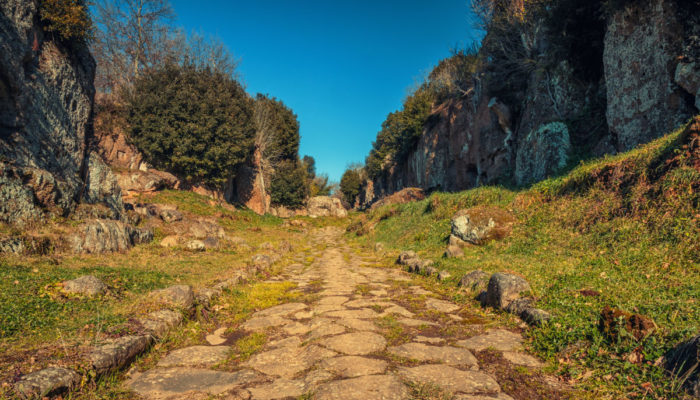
(193, 122)
(69, 19)
(289, 185)
(350, 185)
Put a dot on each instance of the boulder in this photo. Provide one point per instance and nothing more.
(178, 296)
(325, 206)
(403, 196)
(504, 288)
(474, 280)
(100, 236)
(480, 224)
(688, 77)
(196, 245)
(683, 361)
(453, 252)
(169, 215)
(211, 243)
(406, 256)
(118, 353)
(203, 229)
(443, 275)
(47, 382)
(159, 323)
(87, 285)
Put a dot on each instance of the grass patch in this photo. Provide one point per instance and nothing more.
(626, 227)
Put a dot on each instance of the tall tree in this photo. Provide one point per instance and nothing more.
(132, 35)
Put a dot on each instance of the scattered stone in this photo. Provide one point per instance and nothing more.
(158, 323)
(203, 229)
(170, 382)
(211, 242)
(535, 316)
(217, 337)
(683, 361)
(379, 247)
(522, 359)
(480, 224)
(441, 305)
(170, 241)
(205, 296)
(443, 354)
(169, 215)
(443, 275)
(451, 379)
(262, 260)
(118, 353)
(406, 256)
(453, 251)
(497, 339)
(87, 285)
(474, 280)
(358, 343)
(354, 366)
(46, 382)
(195, 356)
(504, 288)
(429, 271)
(196, 245)
(371, 387)
(179, 296)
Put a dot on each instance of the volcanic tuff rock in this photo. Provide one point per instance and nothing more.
(46, 101)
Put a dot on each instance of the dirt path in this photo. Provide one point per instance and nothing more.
(368, 333)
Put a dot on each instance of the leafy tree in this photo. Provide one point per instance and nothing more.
(310, 164)
(193, 122)
(289, 186)
(350, 184)
(69, 19)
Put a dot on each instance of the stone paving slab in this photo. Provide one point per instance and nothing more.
(356, 343)
(354, 366)
(287, 361)
(452, 380)
(498, 339)
(442, 354)
(195, 355)
(164, 383)
(372, 387)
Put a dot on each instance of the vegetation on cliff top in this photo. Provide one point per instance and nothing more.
(621, 231)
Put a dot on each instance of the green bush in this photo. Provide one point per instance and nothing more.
(192, 122)
(69, 19)
(289, 184)
(283, 127)
(350, 185)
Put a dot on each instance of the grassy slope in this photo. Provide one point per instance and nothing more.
(625, 226)
(40, 325)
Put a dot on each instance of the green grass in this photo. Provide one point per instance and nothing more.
(625, 226)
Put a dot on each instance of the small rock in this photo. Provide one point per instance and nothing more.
(196, 245)
(443, 275)
(456, 241)
(379, 247)
(158, 323)
(169, 216)
(453, 252)
(203, 229)
(179, 296)
(211, 242)
(205, 296)
(535, 316)
(217, 338)
(405, 256)
(261, 260)
(429, 271)
(474, 280)
(87, 285)
(504, 288)
(267, 246)
(47, 382)
(285, 246)
(170, 241)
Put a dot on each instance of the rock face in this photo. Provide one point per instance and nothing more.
(248, 187)
(684, 361)
(636, 81)
(46, 102)
(641, 45)
(325, 206)
(100, 236)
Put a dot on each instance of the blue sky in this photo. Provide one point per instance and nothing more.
(342, 66)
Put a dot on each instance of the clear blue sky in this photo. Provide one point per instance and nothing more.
(342, 66)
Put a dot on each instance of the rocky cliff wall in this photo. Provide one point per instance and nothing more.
(650, 85)
(46, 100)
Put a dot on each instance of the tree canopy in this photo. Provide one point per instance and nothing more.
(194, 122)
